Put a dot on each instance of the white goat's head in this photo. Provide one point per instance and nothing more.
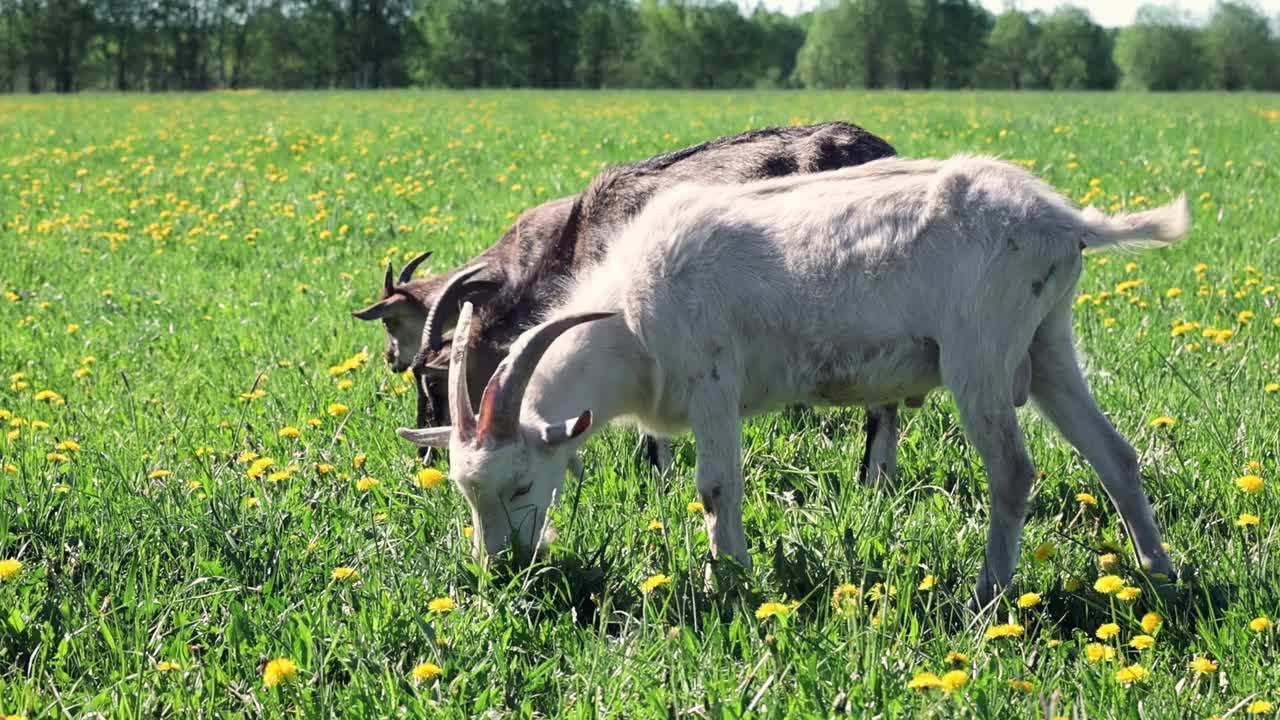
(509, 472)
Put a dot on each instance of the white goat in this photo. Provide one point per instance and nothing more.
(860, 286)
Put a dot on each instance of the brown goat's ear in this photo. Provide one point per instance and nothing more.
(380, 309)
(555, 434)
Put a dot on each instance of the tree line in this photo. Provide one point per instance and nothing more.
(162, 45)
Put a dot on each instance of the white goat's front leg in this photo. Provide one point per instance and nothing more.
(1062, 396)
(991, 424)
(717, 431)
(880, 460)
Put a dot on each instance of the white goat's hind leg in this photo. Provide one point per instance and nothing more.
(1062, 396)
(717, 431)
(991, 424)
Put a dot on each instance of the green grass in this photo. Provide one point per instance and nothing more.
(206, 246)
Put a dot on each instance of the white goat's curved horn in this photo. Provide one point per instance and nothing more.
(442, 308)
(406, 274)
(464, 417)
(500, 404)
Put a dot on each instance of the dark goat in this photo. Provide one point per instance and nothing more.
(522, 275)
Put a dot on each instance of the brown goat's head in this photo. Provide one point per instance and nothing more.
(417, 313)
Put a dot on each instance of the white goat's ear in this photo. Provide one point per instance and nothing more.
(436, 437)
(555, 434)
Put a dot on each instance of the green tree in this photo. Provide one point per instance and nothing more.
(1075, 53)
(1160, 51)
(860, 43)
(1011, 47)
(1240, 50)
(952, 36)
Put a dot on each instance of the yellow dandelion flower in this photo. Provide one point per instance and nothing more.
(426, 671)
(844, 597)
(72, 328)
(1107, 631)
(1272, 387)
(251, 396)
(924, 680)
(694, 507)
(468, 531)
(246, 456)
(1128, 593)
(277, 671)
(365, 484)
(1202, 665)
(428, 478)
(1023, 685)
(345, 384)
(337, 409)
(345, 573)
(1043, 552)
(259, 467)
(1173, 292)
(324, 468)
(1028, 600)
(289, 431)
(1132, 674)
(62, 488)
(1249, 483)
(772, 609)
(441, 605)
(70, 445)
(1004, 631)
(954, 680)
(167, 666)
(1247, 520)
(48, 396)
(927, 583)
(956, 658)
(653, 582)
(1142, 642)
(1162, 421)
(1085, 498)
(314, 422)
(1152, 622)
(358, 460)
(56, 457)
(655, 525)
(158, 474)
(1259, 707)
(1244, 317)
(1097, 652)
(1260, 624)
(9, 567)
(1108, 584)
(251, 502)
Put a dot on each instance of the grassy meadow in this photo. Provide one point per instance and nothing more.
(204, 510)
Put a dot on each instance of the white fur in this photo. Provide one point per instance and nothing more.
(860, 286)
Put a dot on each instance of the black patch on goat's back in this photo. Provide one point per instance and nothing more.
(780, 165)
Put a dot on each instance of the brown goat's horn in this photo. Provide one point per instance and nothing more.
(464, 417)
(443, 307)
(500, 405)
(388, 287)
(407, 273)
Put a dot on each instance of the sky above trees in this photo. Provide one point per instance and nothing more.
(1107, 13)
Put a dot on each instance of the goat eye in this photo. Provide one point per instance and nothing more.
(522, 491)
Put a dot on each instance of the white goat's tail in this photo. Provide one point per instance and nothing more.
(1158, 227)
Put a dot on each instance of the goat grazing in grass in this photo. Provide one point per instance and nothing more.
(517, 280)
(864, 286)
